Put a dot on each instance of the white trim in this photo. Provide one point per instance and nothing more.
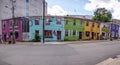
(75, 33)
(15, 30)
(68, 32)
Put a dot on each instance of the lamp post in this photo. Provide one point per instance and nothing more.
(13, 22)
(43, 17)
(13, 19)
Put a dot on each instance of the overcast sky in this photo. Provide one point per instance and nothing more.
(82, 7)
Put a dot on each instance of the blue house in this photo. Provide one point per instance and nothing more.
(114, 29)
(54, 28)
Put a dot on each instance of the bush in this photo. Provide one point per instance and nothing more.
(66, 39)
(37, 38)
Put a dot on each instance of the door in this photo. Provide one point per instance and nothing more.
(92, 35)
(58, 35)
(80, 35)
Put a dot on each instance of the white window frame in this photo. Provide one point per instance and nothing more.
(75, 33)
(4, 23)
(38, 21)
(81, 22)
(68, 32)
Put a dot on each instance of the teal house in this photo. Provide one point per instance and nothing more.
(54, 28)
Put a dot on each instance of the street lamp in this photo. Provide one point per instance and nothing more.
(43, 17)
(13, 18)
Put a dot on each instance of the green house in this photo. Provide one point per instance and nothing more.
(74, 29)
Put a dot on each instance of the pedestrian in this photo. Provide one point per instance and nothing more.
(1, 41)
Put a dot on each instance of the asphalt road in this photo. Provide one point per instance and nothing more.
(58, 54)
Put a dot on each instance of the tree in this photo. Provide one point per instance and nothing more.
(102, 14)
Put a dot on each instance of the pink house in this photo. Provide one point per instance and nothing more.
(7, 29)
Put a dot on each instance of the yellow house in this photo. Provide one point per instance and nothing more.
(95, 33)
(91, 30)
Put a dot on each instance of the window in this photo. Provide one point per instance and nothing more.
(48, 21)
(4, 24)
(87, 34)
(66, 21)
(25, 25)
(113, 33)
(11, 33)
(74, 33)
(66, 32)
(113, 26)
(37, 32)
(58, 20)
(87, 23)
(74, 22)
(36, 21)
(16, 22)
(48, 34)
(11, 22)
(117, 27)
(80, 23)
(104, 26)
(16, 34)
(93, 24)
(98, 25)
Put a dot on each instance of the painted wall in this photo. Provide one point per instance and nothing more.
(54, 27)
(70, 27)
(34, 27)
(93, 28)
(114, 29)
(6, 29)
(87, 28)
(96, 30)
(119, 32)
(105, 29)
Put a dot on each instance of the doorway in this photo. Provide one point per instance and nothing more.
(80, 35)
(59, 35)
(92, 35)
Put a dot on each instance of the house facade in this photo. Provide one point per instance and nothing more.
(87, 29)
(119, 31)
(22, 8)
(54, 28)
(7, 29)
(95, 33)
(114, 29)
(104, 31)
(74, 28)
(91, 30)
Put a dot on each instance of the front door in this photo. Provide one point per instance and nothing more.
(92, 35)
(80, 35)
(58, 35)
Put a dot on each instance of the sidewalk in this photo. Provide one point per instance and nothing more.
(111, 61)
(68, 42)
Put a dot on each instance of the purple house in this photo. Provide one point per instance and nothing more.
(7, 29)
(114, 29)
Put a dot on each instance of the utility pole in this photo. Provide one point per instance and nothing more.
(13, 22)
(43, 17)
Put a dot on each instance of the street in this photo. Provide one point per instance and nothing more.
(76, 53)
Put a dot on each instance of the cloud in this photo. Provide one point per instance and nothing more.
(56, 10)
(112, 5)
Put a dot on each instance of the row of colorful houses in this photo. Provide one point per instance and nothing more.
(59, 28)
